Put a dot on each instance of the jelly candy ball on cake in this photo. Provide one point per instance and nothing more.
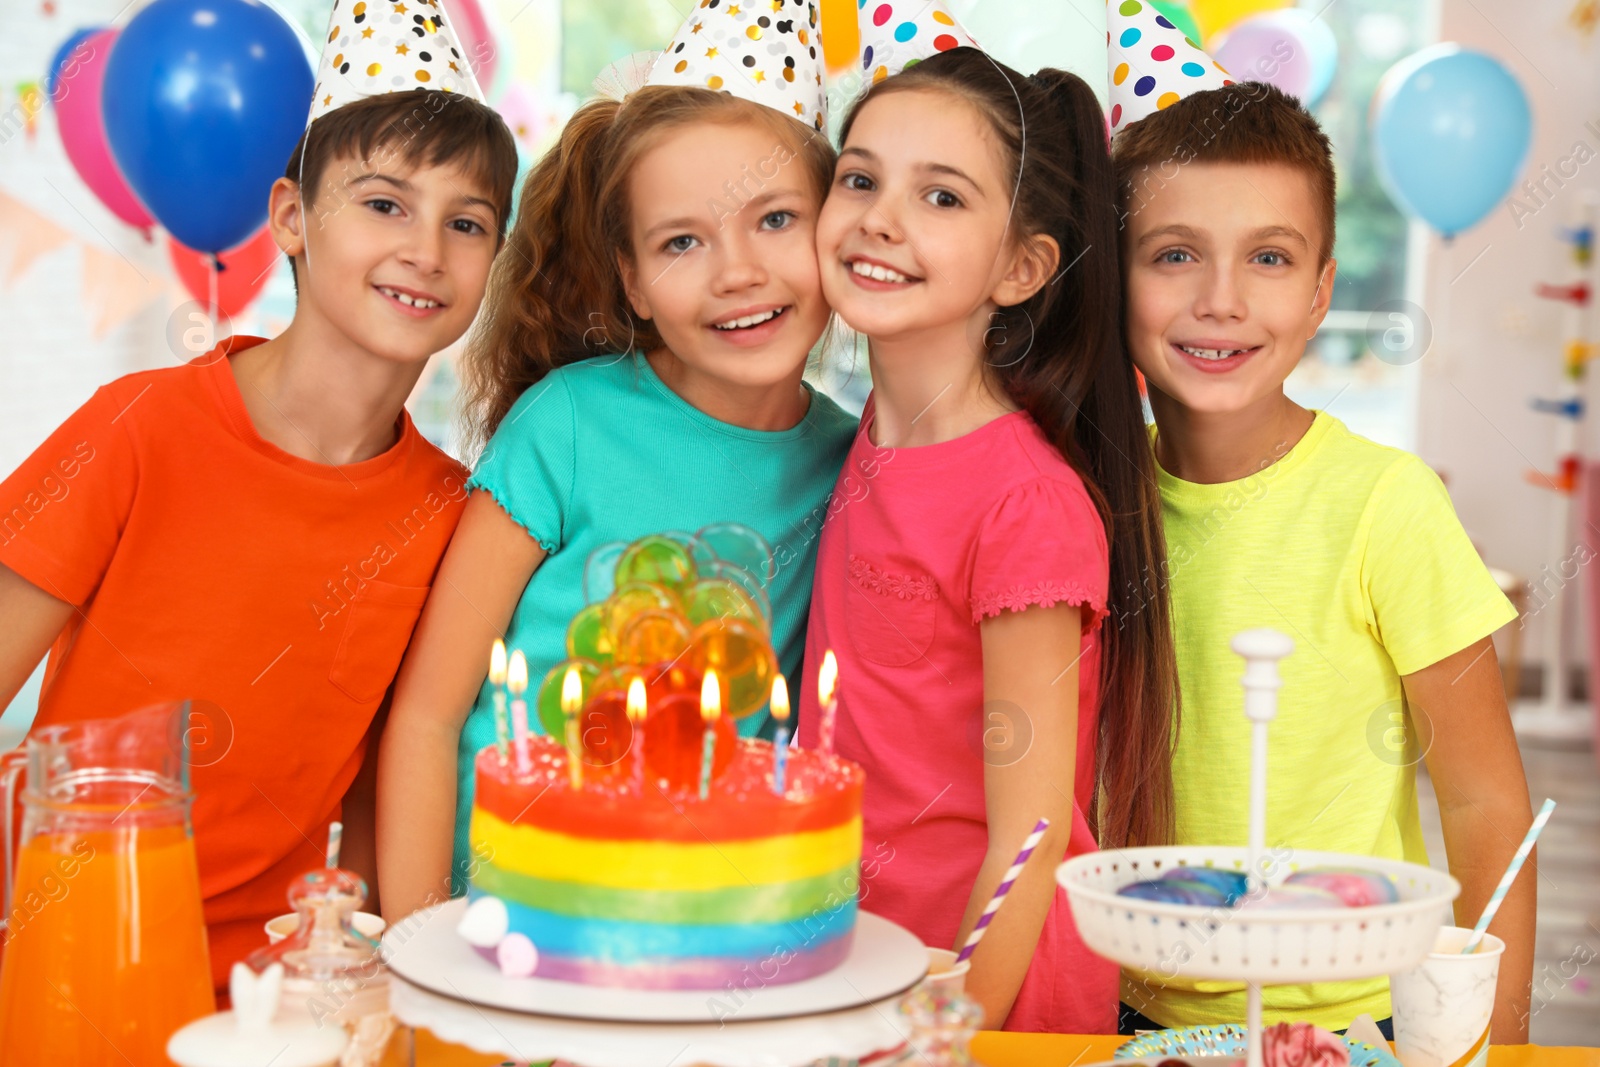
(549, 699)
(653, 636)
(742, 656)
(604, 732)
(674, 736)
(744, 580)
(589, 635)
(1231, 884)
(600, 571)
(720, 598)
(1291, 898)
(732, 542)
(656, 559)
(633, 599)
(1168, 891)
(1356, 887)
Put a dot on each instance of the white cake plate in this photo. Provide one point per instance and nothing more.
(852, 1034)
(443, 985)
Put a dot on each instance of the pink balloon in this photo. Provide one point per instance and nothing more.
(83, 130)
(1260, 49)
(483, 56)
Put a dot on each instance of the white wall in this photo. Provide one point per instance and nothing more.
(1497, 344)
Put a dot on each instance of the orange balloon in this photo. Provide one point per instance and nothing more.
(841, 36)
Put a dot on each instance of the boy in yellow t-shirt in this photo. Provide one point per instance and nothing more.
(1278, 516)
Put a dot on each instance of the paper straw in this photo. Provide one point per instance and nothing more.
(1510, 876)
(1005, 887)
(335, 838)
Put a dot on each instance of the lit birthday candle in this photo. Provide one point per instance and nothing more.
(710, 711)
(827, 694)
(571, 704)
(497, 684)
(637, 708)
(517, 682)
(780, 737)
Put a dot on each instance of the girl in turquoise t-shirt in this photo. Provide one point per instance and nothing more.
(639, 370)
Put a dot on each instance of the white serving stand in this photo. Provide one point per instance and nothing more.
(1256, 947)
(440, 983)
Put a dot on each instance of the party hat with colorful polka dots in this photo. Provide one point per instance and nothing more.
(1153, 65)
(896, 34)
(767, 51)
(377, 47)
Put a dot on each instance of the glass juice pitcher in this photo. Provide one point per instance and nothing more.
(105, 943)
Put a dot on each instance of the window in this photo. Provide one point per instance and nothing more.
(1380, 253)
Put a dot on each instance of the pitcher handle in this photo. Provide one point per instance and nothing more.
(12, 765)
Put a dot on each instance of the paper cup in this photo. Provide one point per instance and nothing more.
(1442, 1008)
(945, 975)
(284, 925)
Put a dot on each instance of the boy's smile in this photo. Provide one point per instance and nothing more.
(1224, 284)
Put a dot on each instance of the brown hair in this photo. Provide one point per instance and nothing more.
(419, 126)
(1075, 379)
(1246, 122)
(555, 294)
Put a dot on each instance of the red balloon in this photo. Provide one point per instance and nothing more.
(245, 271)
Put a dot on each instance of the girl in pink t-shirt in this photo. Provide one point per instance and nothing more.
(998, 505)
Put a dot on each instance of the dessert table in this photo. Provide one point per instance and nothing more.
(1002, 1050)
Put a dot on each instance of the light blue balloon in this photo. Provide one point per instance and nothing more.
(1450, 133)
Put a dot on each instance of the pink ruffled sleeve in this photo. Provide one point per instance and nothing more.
(1043, 544)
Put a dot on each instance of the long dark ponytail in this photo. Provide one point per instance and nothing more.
(1060, 355)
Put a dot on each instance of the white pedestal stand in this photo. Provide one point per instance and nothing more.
(1256, 946)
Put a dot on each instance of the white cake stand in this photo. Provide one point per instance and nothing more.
(441, 984)
(1255, 947)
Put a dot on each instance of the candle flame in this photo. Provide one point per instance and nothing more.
(497, 663)
(780, 699)
(827, 678)
(517, 676)
(571, 692)
(636, 700)
(710, 697)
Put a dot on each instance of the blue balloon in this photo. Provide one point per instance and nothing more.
(52, 74)
(203, 102)
(1450, 133)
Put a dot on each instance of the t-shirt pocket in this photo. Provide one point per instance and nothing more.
(377, 629)
(893, 612)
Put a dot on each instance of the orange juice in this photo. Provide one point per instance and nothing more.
(107, 952)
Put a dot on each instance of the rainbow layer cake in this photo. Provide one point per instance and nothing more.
(639, 841)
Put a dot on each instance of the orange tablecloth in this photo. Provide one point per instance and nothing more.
(1015, 1050)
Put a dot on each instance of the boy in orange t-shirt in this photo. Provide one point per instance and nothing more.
(256, 531)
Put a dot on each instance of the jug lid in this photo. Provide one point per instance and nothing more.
(250, 1036)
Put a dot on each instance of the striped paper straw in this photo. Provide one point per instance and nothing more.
(1005, 887)
(335, 838)
(1510, 876)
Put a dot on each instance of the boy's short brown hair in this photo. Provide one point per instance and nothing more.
(418, 127)
(1246, 122)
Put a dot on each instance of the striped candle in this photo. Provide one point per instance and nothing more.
(1005, 887)
(1510, 876)
(517, 682)
(828, 699)
(335, 839)
(497, 687)
(780, 736)
(710, 710)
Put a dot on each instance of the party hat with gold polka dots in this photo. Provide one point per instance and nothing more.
(896, 34)
(377, 47)
(766, 51)
(1153, 65)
